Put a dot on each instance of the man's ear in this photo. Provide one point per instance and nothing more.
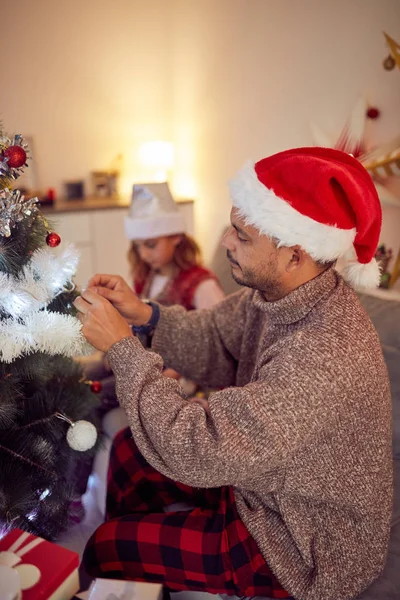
(295, 259)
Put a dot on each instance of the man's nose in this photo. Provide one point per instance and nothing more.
(226, 241)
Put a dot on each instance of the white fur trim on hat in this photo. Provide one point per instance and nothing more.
(157, 226)
(276, 218)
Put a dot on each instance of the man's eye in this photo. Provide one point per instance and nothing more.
(241, 239)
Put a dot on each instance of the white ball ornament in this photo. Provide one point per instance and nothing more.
(81, 436)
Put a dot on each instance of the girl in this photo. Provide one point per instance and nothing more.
(165, 261)
(166, 267)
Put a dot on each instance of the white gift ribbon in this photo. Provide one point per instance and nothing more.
(14, 576)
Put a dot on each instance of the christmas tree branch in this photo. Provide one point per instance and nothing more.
(27, 460)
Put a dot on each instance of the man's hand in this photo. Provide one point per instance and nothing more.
(115, 289)
(171, 374)
(102, 325)
(203, 402)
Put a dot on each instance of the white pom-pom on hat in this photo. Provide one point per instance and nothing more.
(361, 276)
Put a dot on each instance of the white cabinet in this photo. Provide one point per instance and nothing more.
(76, 228)
(109, 242)
(99, 235)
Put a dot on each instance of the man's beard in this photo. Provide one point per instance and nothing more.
(266, 282)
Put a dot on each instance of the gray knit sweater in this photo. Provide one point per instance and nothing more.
(301, 430)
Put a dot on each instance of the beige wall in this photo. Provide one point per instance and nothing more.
(88, 79)
(224, 79)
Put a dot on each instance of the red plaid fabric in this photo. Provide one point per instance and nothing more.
(207, 548)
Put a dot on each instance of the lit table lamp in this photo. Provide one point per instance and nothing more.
(158, 158)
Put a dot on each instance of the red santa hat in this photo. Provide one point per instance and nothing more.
(318, 198)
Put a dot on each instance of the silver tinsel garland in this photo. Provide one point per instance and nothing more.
(14, 208)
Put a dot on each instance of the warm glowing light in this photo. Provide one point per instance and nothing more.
(157, 156)
(184, 186)
(157, 159)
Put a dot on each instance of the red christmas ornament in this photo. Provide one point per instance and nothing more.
(96, 387)
(16, 156)
(53, 239)
(373, 113)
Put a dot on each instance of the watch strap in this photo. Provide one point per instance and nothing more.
(149, 327)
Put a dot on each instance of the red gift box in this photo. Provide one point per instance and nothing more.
(39, 569)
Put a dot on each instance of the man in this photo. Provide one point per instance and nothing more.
(289, 465)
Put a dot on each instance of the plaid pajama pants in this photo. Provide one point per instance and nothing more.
(207, 548)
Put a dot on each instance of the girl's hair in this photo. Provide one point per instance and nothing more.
(187, 254)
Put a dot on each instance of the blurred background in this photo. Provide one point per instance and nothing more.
(187, 90)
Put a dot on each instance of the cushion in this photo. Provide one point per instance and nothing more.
(385, 315)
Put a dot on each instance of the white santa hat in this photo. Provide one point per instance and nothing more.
(153, 213)
(318, 198)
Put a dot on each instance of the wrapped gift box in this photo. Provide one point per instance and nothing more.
(33, 569)
(112, 589)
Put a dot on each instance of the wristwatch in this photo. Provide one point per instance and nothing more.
(150, 326)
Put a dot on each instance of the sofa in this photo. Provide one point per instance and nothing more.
(385, 315)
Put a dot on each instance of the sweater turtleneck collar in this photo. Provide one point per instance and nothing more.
(298, 303)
